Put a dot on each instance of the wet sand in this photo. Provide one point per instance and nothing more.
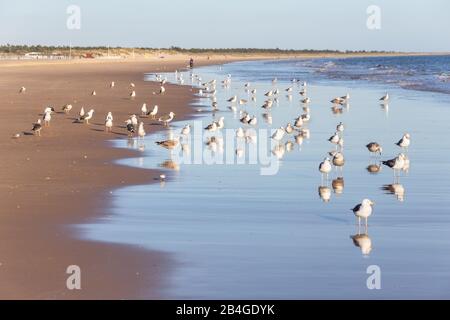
(67, 175)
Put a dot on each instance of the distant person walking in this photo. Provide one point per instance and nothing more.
(191, 63)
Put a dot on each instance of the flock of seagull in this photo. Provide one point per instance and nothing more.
(335, 158)
(208, 89)
(132, 125)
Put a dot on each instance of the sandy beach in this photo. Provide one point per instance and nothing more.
(67, 175)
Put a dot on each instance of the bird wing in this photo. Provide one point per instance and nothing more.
(356, 208)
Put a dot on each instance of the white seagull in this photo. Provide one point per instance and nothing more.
(363, 210)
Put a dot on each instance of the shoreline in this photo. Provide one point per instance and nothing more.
(65, 176)
(55, 181)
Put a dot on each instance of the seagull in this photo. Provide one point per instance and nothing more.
(162, 90)
(337, 100)
(340, 127)
(220, 123)
(298, 122)
(278, 134)
(66, 108)
(405, 141)
(334, 138)
(397, 163)
(338, 159)
(22, 90)
(288, 90)
(112, 84)
(374, 147)
(49, 110)
(186, 130)
(141, 131)
(267, 104)
(363, 210)
(211, 127)
(253, 121)
(94, 93)
(385, 98)
(109, 116)
(132, 94)
(269, 93)
(165, 119)
(144, 110)
(153, 112)
(232, 99)
(289, 128)
(253, 92)
(306, 117)
(130, 128)
(168, 144)
(325, 167)
(47, 117)
(108, 124)
(242, 101)
(245, 118)
(37, 127)
(306, 100)
(134, 120)
(132, 85)
(87, 116)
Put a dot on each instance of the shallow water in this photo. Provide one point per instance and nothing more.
(235, 233)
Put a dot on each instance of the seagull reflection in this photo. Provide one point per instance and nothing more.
(131, 143)
(395, 189)
(267, 118)
(374, 168)
(336, 110)
(385, 108)
(363, 242)
(170, 164)
(338, 185)
(325, 193)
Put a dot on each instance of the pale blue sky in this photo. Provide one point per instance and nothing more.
(313, 24)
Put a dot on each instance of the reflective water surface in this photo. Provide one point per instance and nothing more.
(235, 233)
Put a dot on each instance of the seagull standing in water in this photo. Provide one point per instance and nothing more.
(363, 210)
(385, 98)
(374, 147)
(405, 141)
(133, 94)
(112, 85)
(325, 167)
(22, 90)
(396, 164)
